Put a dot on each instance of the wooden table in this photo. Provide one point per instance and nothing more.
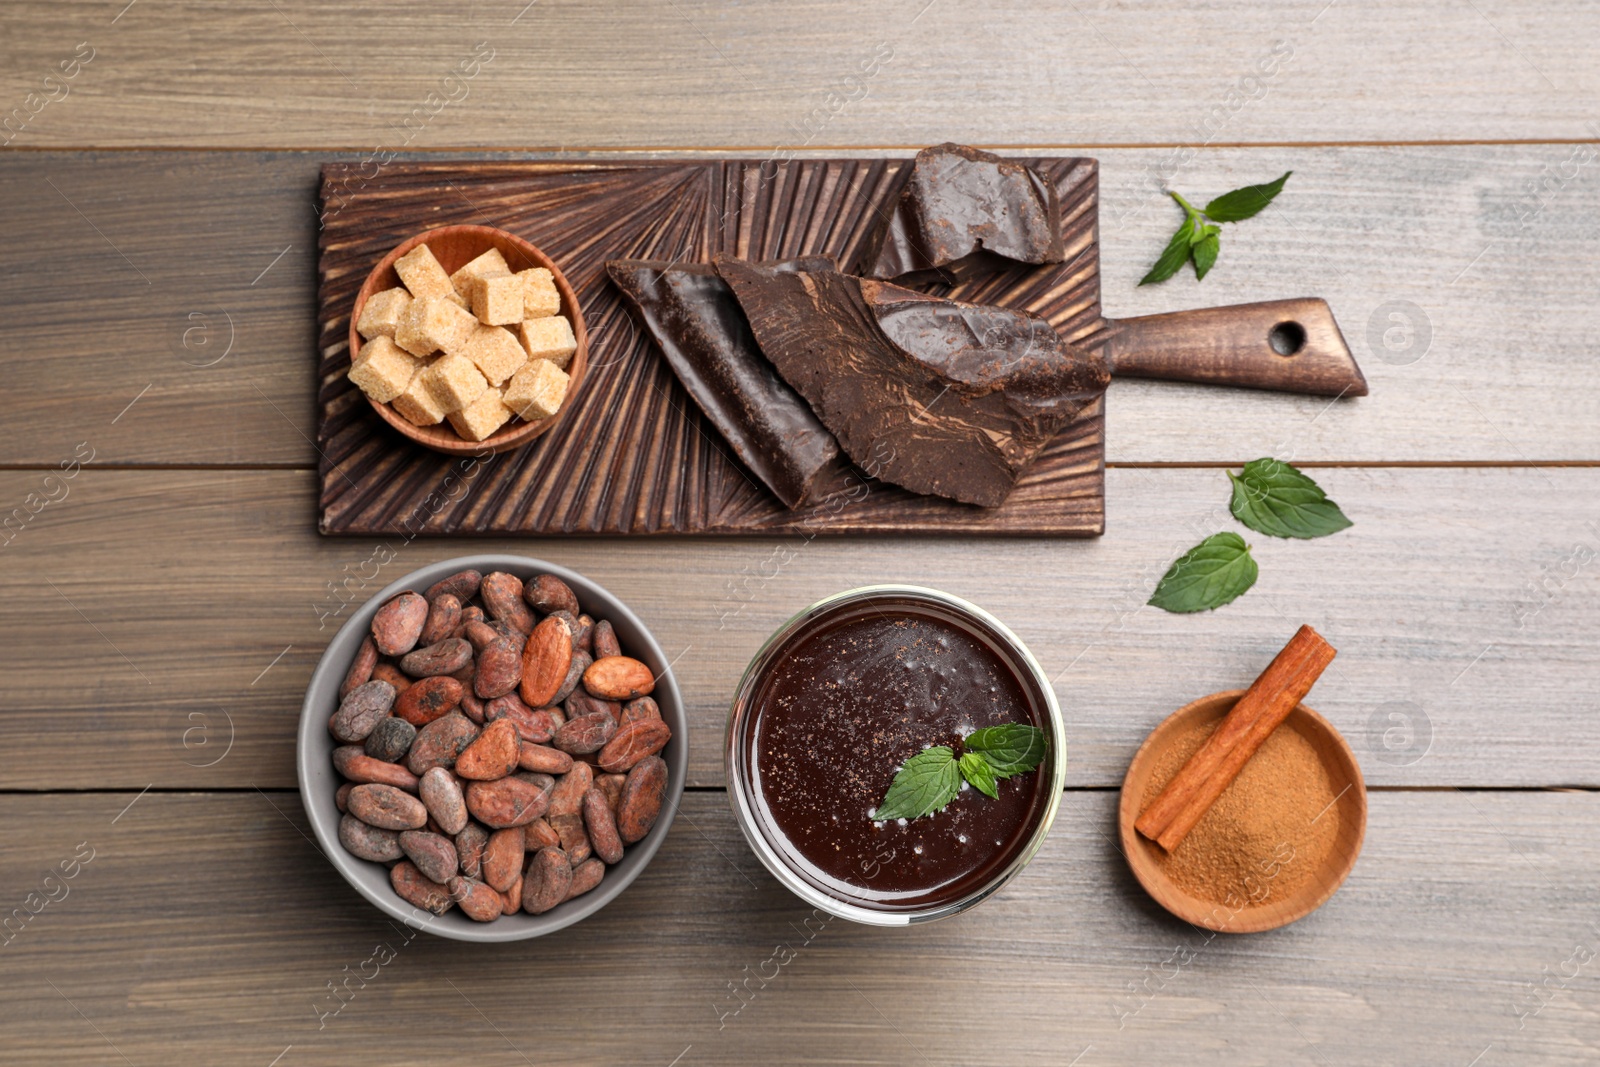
(163, 606)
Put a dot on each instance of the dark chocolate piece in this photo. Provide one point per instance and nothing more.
(960, 200)
(692, 314)
(934, 395)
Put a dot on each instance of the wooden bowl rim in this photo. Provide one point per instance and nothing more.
(1254, 918)
(518, 432)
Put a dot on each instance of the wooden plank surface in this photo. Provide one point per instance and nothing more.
(1464, 620)
(1469, 306)
(208, 927)
(693, 72)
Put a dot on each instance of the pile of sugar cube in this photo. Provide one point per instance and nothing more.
(475, 347)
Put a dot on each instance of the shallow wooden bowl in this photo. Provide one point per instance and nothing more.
(454, 247)
(1350, 808)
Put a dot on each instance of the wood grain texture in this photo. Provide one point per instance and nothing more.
(715, 72)
(1462, 609)
(1467, 301)
(632, 452)
(212, 924)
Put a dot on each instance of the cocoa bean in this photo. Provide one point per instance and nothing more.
(398, 624)
(611, 786)
(446, 657)
(583, 702)
(360, 711)
(642, 796)
(574, 839)
(471, 613)
(536, 726)
(546, 658)
(506, 802)
(390, 740)
(605, 640)
(502, 599)
(428, 700)
(387, 808)
(441, 794)
(493, 754)
(618, 678)
(478, 902)
(580, 663)
(466, 676)
(472, 707)
(388, 672)
(585, 734)
(463, 585)
(444, 615)
(583, 636)
(415, 889)
(585, 876)
(642, 708)
(360, 671)
(368, 842)
(632, 743)
(341, 798)
(434, 854)
(547, 881)
(440, 742)
(352, 762)
(479, 634)
(548, 593)
(502, 859)
(601, 823)
(470, 844)
(511, 899)
(541, 758)
(567, 796)
(499, 668)
(539, 834)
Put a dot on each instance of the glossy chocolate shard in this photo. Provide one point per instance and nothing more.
(938, 396)
(959, 201)
(694, 318)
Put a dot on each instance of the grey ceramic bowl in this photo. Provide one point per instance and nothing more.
(319, 781)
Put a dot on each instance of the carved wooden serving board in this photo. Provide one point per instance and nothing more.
(633, 454)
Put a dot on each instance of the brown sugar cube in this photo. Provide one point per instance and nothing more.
(417, 406)
(497, 299)
(491, 262)
(435, 323)
(549, 339)
(422, 274)
(383, 369)
(537, 390)
(453, 382)
(496, 352)
(382, 312)
(540, 297)
(482, 417)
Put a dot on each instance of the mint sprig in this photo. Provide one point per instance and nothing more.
(1213, 573)
(1198, 240)
(930, 780)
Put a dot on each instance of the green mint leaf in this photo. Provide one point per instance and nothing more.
(1243, 203)
(928, 781)
(1276, 499)
(1207, 576)
(1204, 254)
(976, 770)
(1010, 750)
(1173, 257)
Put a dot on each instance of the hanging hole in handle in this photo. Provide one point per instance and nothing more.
(1287, 338)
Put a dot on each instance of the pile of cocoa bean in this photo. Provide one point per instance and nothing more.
(499, 747)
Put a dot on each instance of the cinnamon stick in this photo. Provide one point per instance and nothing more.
(1268, 701)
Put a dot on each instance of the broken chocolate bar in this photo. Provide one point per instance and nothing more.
(960, 200)
(935, 395)
(691, 313)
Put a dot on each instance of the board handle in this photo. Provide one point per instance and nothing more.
(1292, 346)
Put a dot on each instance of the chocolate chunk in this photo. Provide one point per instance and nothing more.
(960, 200)
(693, 316)
(938, 396)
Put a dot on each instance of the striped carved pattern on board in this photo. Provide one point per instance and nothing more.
(632, 454)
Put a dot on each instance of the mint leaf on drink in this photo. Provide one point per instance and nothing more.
(1243, 203)
(1010, 750)
(928, 781)
(1209, 575)
(1274, 498)
(1198, 240)
(976, 770)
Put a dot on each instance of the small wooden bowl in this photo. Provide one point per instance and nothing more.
(454, 247)
(1351, 806)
